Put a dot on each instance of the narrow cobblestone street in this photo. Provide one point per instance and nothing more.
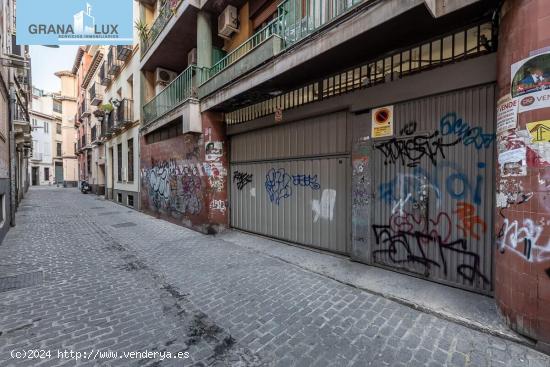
(93, 276)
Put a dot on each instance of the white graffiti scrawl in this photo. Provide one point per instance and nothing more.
(325, 207)
(523, 240)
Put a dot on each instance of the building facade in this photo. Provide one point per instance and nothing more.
(364, 128)
(43, 123)
(66, 132)
(123, 85)
(15, 129)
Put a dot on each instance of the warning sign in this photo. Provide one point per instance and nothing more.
(382, 122)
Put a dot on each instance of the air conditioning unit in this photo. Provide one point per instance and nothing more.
(228, 22)
(192, 57)
(164, 76)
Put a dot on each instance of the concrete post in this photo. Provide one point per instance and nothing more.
(204, 39)
(522, 254)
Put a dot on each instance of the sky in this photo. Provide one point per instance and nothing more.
(46, 61)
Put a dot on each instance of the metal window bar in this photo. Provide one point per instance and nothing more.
(412, 63)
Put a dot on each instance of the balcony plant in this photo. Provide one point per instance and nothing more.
(142, 29)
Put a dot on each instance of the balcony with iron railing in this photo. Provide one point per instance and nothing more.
(95, 94)
(36, 156)
(84, 109)
(294, 22)
(19, 114)
(166, 12)
(182, 88)
(113, 64)
(103, 75)
(123, 52)
(124, 113)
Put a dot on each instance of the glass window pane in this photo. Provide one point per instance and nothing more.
(472, 40)
(447, 48)
(459, 44)
(436, 51)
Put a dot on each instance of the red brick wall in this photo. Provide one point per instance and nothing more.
(522, 274)
(182, 184)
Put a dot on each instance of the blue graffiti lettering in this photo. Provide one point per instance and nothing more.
(278, 184)
(306, 181)
(456, 184)
(451, 124)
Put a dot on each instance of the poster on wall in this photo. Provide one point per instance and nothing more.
(513, 162)
(531, 82)
(539, 131)
(382, 122)
(213, 150)
(507, 113)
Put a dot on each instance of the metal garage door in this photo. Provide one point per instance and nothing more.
(292, 182)
(434, 188)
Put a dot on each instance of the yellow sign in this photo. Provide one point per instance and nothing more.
(382, 122)
(539, 131)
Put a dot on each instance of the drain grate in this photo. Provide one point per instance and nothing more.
(97, 207)
(107, 213)
(19, 281)
(124, 225)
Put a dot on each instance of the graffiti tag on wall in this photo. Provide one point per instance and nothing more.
(241, 179)
(278, 184)
(177, 186)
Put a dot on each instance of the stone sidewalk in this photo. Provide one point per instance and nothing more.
(85, 275)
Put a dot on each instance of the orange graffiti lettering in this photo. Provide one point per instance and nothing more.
(469, 220)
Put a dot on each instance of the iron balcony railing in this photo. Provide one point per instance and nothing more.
(110, 123)
(295, 20)
(123, 52)
(104, 131)
(94, 134)
(165, 14)
(96, 94)
(104, 77)
(113, 64)
(259, 37)
(84, 109)
(178, 91)
(125, 112)
(19, 113)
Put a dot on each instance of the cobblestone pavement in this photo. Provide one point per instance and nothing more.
(101, 277)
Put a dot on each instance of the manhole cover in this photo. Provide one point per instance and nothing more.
(123, 225)
(107, 213)
(19, 281)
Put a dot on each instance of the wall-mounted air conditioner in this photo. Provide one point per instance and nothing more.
(228, 22)
(163, 77)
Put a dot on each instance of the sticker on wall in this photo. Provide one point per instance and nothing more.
(507, 113)
(382, 122)
(539, 131)
(531, 82)
(513, 162)
(214, 150)
(278, 114)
